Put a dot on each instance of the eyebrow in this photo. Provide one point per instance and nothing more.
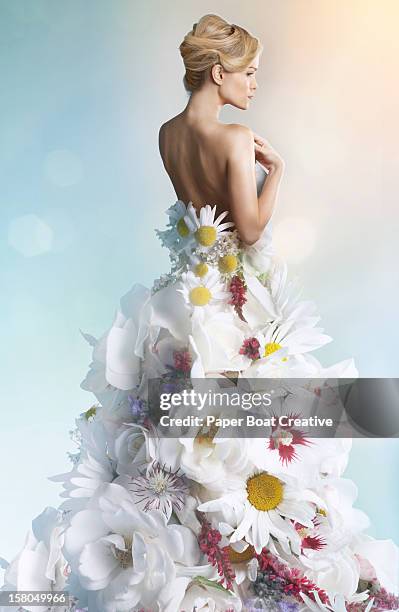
(252, 67)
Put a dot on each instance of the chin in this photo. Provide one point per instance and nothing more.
(242, 105)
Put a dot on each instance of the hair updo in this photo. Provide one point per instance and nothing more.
(215, 41)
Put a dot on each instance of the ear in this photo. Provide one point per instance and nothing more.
(217, 73)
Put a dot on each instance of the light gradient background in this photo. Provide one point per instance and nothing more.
(85, 86)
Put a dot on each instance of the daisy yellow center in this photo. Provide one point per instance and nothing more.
(271, 347)
(228, 263)
(200, 296)
(240, 557)
(206, 235)
(264, 491)
(182, 228)
(321, 511)
(201, 269)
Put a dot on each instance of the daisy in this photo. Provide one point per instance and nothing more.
(277, 302)
(206, 229)
(202, 293)
(266, 505)
(244, 563)
(177, 237)
(283, 340)
(199, 267)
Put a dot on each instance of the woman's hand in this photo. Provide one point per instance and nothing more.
(266, 155)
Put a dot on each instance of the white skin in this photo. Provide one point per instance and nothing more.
(212, 162)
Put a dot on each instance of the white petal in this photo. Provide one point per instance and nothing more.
(97, 564)
(246, 523)
(122, 365)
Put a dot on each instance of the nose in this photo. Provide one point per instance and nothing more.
(255, 85)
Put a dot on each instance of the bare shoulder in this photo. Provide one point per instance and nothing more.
(164, 129)
(238, 139)
(168, 124)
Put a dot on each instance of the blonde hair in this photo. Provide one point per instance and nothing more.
(215, 41)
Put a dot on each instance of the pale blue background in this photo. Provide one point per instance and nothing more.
(85, 86)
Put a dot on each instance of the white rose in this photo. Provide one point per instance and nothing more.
(128, 556)
(40, 566)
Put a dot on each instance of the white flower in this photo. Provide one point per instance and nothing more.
(117, 354)
(204, 457)
(291, 322)
(334, 567)
(169, 311)
(339, 494)
(342, 369)
(176, 212)
(210, 460)
(277, 364)
(259, 307)
(159, 488)
(241, 555)
(203, 295)
(195, 261)
(130, 449)
(336, 603)
(93, 468)
(382, 557)
(128, 556)
(122, 365)
(216, 342)
(313, 462)
(281, 349)
(178, 237)
(206, 228)
(40, 566)
(293, 336)
(264, 505)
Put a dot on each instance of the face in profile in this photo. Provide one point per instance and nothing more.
(238, 88)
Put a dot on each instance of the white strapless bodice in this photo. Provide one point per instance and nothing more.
(261, 175)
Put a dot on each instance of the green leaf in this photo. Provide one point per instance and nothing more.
(211, 583)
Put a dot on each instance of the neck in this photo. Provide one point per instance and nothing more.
(204, 104)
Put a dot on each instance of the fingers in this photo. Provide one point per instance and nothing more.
(262, 142)
(262, 148)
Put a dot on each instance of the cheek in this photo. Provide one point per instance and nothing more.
(236, 86)
(240, 85)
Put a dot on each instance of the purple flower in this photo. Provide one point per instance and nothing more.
(137, 407)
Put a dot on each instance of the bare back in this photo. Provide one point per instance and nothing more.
(195, 155)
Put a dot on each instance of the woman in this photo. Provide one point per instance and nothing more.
(209, 161)
(202, 521)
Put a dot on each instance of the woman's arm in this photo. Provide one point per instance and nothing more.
(250, 213)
